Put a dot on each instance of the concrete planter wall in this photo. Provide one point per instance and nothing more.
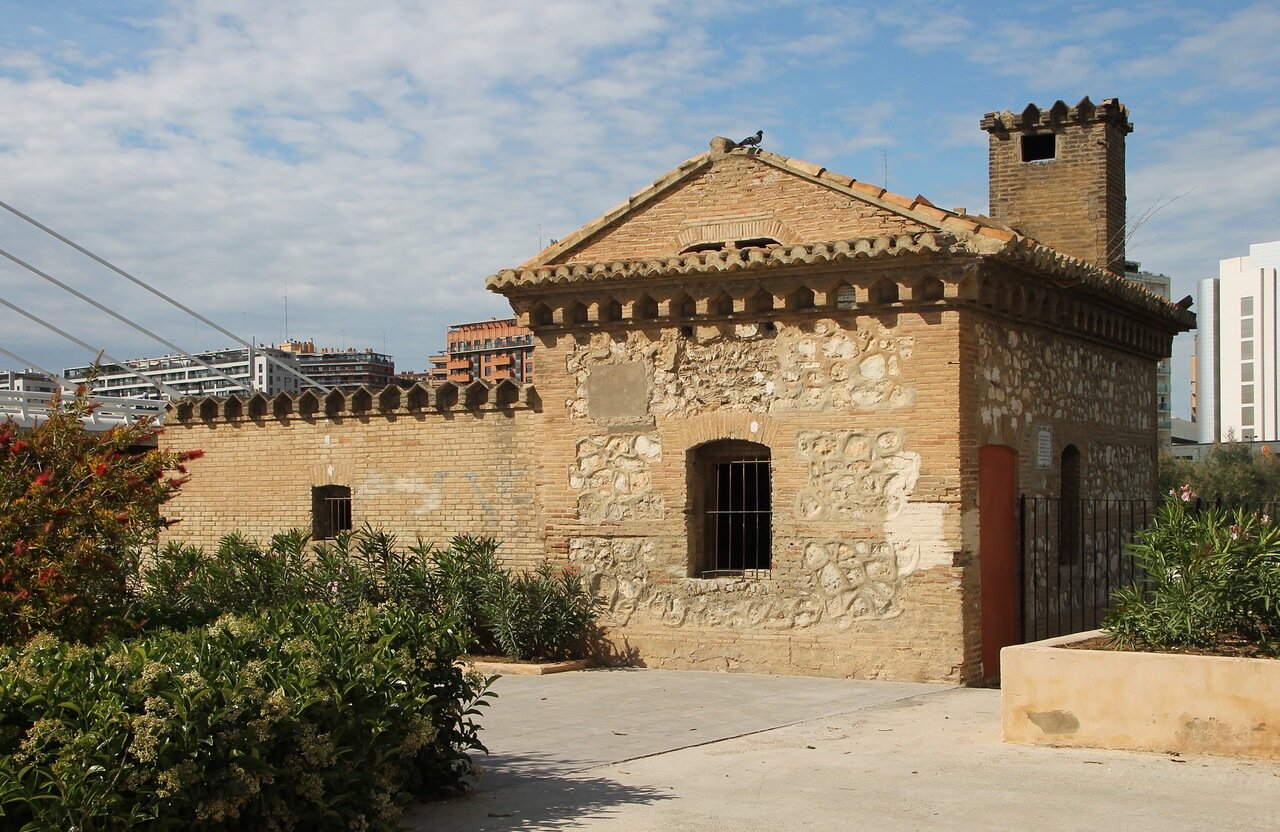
(1139, 701)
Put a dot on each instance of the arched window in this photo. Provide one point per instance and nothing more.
(1069, 508)
(731, 502)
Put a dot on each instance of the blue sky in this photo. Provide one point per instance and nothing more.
(376, 160)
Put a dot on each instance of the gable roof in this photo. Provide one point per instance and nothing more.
(918, 211)
(939, 232)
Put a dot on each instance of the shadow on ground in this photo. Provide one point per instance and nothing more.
(512, 795)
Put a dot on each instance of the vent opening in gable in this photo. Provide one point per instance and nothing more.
(721, 245)
(1042, 148)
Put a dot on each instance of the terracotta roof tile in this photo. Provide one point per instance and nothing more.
(868, 188)
(986, 241)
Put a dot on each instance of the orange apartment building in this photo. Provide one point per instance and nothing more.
(487, 350)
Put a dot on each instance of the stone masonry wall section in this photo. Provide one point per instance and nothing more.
(1100, 400)
(865, 480)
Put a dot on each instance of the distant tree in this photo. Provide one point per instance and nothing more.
(1231, 472)
(77, 509)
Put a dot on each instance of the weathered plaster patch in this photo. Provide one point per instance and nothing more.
(618, 393)
(613, 477)
(1055, 722)
(918, 537)
(855, 476)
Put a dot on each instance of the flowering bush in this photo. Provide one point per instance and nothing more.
(1211, 577)
(76, 508)
(306, 716)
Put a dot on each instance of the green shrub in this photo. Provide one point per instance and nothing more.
(1232, 472)
(76, 508)
(306, 716)
(1211, 577)
(544, 614)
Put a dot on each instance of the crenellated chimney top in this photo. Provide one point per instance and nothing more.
(1057, 175)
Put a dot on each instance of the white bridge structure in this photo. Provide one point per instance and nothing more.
(29, 408)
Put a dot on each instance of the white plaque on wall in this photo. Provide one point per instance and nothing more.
(1044, 446)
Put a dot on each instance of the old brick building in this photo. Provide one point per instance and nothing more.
(782, 416)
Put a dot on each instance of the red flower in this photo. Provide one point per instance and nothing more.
(18, 447)
(19, 548)
(190, 455)
(23, 594)
(43, 478)
(47, 574)
(100, 470)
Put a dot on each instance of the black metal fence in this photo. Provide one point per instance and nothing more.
(1074, 553)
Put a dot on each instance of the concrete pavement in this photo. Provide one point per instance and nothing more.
(665, 750)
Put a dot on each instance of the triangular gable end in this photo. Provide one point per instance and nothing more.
(733, 196)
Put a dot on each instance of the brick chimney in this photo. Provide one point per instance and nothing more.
(1057, 176)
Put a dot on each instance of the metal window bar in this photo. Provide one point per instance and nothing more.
(739, 518)
(338, 511)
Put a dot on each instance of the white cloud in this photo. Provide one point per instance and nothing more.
(381, 162)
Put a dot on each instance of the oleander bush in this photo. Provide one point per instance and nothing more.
(544, 614)
(302, 716)
(76, 509)
(1211, 578)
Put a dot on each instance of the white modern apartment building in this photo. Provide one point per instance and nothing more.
(27, 381)
(1158, 284)
(248, 371)
(1237, 395)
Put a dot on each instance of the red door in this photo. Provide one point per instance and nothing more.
(998, 568)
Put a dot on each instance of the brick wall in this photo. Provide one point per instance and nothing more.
(1075, 202)
(739, 186)
(431, 476)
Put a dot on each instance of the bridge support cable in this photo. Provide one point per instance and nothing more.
(122, 319)
(164, 388)
(62, 382)
(148, 287)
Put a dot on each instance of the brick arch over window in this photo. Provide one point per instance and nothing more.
(733, 229)
(708, 427)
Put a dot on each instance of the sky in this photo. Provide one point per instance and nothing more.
(375, 161)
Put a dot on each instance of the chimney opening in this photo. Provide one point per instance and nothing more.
(1039, 148)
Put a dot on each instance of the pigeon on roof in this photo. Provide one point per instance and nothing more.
(752, 141)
